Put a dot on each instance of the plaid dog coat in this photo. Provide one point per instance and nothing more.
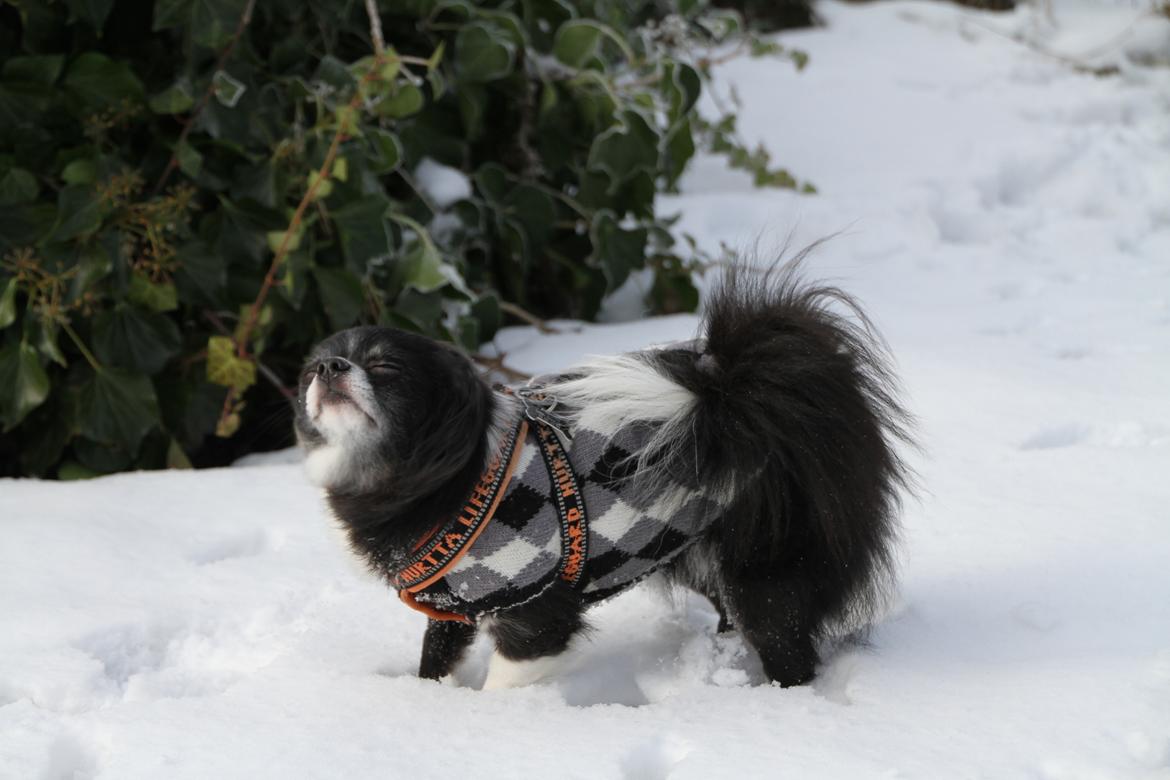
(522, 546)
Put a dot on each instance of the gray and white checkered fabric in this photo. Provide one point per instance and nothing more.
(632, 530)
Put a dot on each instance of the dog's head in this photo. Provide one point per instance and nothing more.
(383, 407)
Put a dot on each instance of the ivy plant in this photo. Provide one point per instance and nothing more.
(193, 193)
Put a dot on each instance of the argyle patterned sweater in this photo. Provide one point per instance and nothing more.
(631, 532)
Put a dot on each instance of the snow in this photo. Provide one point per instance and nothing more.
(442, 184)
(1006, 221)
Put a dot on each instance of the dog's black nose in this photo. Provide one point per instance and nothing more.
(331, 367)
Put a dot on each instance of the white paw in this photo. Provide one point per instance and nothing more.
(506, 673)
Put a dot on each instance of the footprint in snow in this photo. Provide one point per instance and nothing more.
(242, 545)
(1114, 435)
(70, 758)
(655, 758)
(1036, 616)
(1056, 437)
(142, 662)
(834, 681)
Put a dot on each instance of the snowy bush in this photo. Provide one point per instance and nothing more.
(192, 193)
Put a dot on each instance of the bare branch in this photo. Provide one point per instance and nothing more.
(527, 316)
(496, 363)
(375, 26)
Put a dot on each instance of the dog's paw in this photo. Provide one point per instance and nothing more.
(505, 673)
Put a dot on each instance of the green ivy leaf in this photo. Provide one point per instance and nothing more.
(157, 297)
(228, 89)
(579, 40)
(104, 457)
(679, 148)
(406, 100)
(176, 458)
(8, 304)
(483, 52)
(92, 11)
(190, 160)
(72, 471)
(487, 311)
(673, 291)
(276, 239)
(468, 333)
(225, 367)
(319, 185)
(142, 342)
(681, 86)
(625, 150)
(619, 250)
(170, 13)
(175, 99)
(201, 276)
(18, 186)
(24, 385)
(214, 21)
(422, 268)
(42, 70)
(118, 407)
(342, 295)
(362, 228)
(83, 171)
(81, 213)
(44, 336)
(385, 150)
(99, 81)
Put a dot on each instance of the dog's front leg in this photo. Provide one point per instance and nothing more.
(531, 639)
(443, 646)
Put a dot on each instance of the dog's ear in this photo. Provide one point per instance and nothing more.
(451, 423)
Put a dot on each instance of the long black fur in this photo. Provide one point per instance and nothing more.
(795, 417)
(434, 456)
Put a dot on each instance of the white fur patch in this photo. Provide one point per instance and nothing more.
(615, 390)
(350, 429)
(505, 673)
(326, 465)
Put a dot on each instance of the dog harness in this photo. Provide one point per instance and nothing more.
(552, 505)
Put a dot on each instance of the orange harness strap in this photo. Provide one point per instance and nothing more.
(441, 549)
(431, 612)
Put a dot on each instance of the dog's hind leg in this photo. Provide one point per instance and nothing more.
(444, 643)
(531, 637)
(695, 569)
(775, 614)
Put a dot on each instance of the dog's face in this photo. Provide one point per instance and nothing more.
(371, 402)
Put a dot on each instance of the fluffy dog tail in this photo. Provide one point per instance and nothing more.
(795, 414)
(786, 413)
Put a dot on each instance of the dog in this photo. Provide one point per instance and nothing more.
(757, 465)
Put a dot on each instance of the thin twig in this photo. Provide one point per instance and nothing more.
(282, 251)
(1038, 48)
(375, 27)
(173, 163)
(527, 316)
(496, 363)
(89, 358)
(712, 61)
(253, 315)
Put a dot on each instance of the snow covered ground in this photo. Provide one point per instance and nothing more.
(1007, 224)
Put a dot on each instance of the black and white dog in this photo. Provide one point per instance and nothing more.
(755, 465)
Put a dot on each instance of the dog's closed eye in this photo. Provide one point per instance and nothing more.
(383, 368)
